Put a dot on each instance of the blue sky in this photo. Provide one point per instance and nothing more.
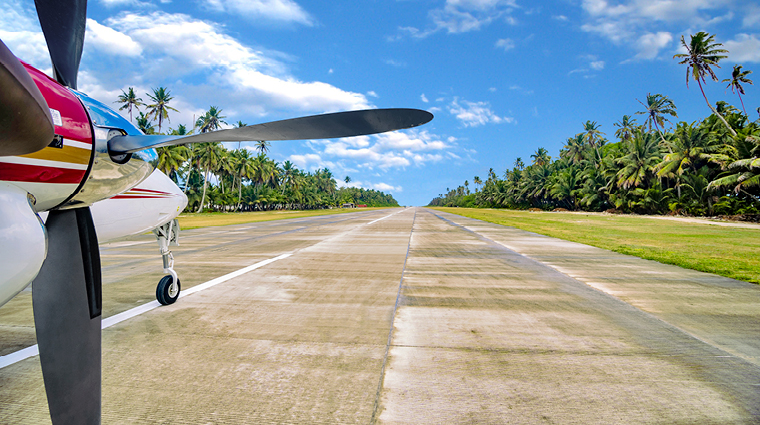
(503, 77)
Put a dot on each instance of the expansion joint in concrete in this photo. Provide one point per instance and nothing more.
(376, 408)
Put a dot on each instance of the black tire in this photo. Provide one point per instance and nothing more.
(163, 294)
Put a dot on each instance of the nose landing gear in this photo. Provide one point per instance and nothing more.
(168, 287)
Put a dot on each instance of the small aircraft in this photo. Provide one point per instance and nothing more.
(67, 154)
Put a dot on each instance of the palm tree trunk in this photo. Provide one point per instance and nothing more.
(203, 197)
(664, 143)
(742, 101)
(730, 130)
(240, 193)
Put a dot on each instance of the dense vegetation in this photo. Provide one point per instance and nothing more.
(219, 179)
(711, 167)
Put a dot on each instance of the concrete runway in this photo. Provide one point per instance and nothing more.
(408, 316)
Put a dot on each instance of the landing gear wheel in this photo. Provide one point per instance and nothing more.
(166, 293)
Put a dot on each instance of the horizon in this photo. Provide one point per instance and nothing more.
(502, 77)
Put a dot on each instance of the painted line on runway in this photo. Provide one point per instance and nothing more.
(383, 218)
(32, 351)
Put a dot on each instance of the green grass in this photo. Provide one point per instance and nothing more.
(196, 220)
(727, 251)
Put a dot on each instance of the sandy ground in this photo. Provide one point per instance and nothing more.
(420, 317)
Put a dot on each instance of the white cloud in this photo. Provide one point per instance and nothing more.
(397, 64)
(424, 98)
(21, 33)
(306, 161)
(506, 44)
(594, 64)
(751, 16)
(398, 149)
(372, 94)
(650, 44)
(183, 45)
(633, 21)
(276, 10)
(110, 41)
(473, 114)
(459, 16)
(383, 187)
(744, 48)
(120, 3)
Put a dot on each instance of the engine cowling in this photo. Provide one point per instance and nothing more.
(23, 241)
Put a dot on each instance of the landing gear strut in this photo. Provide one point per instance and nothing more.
(168, 287)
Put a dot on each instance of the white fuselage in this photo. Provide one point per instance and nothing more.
(23, 242)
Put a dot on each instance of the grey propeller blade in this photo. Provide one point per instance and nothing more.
(63, 23)
(66, 298)
(25, 122)
(326, 126)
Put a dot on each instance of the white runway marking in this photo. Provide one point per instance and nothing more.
(383, 218)
(32, 351)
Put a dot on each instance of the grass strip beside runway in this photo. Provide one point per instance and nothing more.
(725, 251)
(189, 221)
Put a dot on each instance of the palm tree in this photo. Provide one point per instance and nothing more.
(181, 130)
(626, 127)
(144, 124)
(690, 149)
(702, 54)
(347, 180)
(288, 177)
(242, 168)
(476, 181)
(541, 157)
(129, 100)
(592, 132)
(208, 156)
(657, 107)
(211, 120)
(745, 174)
(575, 148)
(160, 108)
(171, 158)
(643, 154)
(262, 146)
(224, 167)
(735, 83)
(519, 164)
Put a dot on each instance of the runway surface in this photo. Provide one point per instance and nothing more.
(406, 316)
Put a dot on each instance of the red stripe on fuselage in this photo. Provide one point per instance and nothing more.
(38, 174)
(137, 189)
(138, 197)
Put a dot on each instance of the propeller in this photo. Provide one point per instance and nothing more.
(63, 23)
(25, 122)
(66, 299)
(326, 126)
(66, 294)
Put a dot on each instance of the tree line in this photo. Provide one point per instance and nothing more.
(703, 168)
(220, 179)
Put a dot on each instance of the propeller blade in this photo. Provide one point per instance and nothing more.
(66, 299)
(326, 126)
(25, 122)
(63, 23)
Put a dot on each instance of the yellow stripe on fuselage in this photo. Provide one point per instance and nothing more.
(65, 154)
